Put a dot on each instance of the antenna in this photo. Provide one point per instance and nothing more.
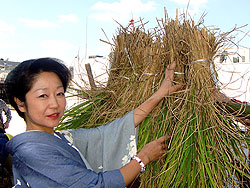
(86, 42)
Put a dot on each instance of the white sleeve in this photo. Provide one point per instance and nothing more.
(107, 147)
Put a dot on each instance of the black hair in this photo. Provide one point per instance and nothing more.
(20, 80)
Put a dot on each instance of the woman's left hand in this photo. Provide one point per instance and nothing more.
(167, 87)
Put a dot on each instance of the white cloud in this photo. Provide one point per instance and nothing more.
(56, 45)
(37, 23)
(9, 45)
(5, 27)
(59, 49)
(191, 2)
(9, 49)
(124, 9)
(192, 7)
(6, 31)
(68, 18)
(2, 36)
(102, 49)
(192, 11)
(110, 16)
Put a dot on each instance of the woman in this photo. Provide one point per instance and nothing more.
(98, 157)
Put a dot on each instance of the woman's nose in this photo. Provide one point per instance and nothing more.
(53, 102)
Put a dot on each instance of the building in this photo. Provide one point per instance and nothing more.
(233, 70)
(5, 67)
(235, 55)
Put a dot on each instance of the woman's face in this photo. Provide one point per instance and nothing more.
(45, 103)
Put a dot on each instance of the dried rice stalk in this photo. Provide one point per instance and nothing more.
(205, 142)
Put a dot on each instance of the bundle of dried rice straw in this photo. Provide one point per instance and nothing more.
(206, 147)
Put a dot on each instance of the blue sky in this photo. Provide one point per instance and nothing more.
(64, 28)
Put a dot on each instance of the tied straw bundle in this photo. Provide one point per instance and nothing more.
(206, 147)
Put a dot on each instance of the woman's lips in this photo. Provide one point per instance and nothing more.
(54, 116)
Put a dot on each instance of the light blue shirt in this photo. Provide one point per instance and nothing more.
(74, 158)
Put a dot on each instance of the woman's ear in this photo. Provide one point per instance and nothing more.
(20, 104)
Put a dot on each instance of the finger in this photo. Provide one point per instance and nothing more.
(177, 87)
(164, 146)
(167, 137)
(170, 71)
(162, 152)
(162, 139)
(171, 66)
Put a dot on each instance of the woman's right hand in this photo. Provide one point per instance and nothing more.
(150, 152)
(153, 150)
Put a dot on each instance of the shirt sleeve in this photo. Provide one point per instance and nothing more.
(112, 145)
(48, 167)
(7, 112)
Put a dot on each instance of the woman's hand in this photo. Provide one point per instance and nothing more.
(150, 152)
(153, 150)
(167, 86)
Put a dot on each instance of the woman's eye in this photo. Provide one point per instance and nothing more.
(61, 94)
(43, 96)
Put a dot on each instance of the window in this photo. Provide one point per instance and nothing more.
(223, 58)
(243, 59)
(236, 59)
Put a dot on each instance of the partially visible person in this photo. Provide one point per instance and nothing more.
(5, 159)
(6, 176)
(4, 108)
(235, 106)
(105, 156)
